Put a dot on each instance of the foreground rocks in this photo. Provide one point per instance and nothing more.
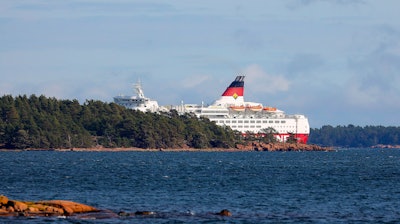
(62, 208)
(279, 146)
(42, 208)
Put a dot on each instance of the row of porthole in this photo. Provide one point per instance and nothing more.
(246, 121)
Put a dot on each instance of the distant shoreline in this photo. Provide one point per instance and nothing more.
(248, 147)
(251, 147)
(130, 150)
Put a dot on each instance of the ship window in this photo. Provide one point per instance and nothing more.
(258, 126)
(221, 121)
(265, 121)
(240, 126)
(252, 126)
(246, 126)
(233, 126)
(276, 121)
(283, 122)
(228, 122)
(270, 122)
(233, 121)
(240, 121)
(253, 122)
(246, 121)
(258, 121)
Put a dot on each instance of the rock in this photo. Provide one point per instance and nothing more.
(54, 210)
(224, 212)
(279, 146)
(42, 208)
(10, 209)
(3, 200)
(69, 207)
(33, 210)
(144, 213)
(18, 205)
(122, 213)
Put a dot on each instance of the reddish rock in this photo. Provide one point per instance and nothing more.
(38, 207)
(279, 146)
(42, 208)
(69, 207)
(10, 209)
(18, 205)
(55, 210)
(3, 200)
(144, 213)
(33, 210)
(224, 212)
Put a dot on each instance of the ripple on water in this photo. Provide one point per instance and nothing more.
(343, 186)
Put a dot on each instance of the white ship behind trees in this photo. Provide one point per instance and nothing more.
(249, 117)
(138, 101)
(233, 111)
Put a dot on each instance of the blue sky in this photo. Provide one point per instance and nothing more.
(336, 61)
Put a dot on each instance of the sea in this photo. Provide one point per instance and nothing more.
(343, 186)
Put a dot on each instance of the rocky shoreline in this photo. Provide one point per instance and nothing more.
(272, 147)
(64, 209)
(42, 208)
(381, 146)
(250, 146)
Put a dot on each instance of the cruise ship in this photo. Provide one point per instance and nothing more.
(138, 102)
(233, 111)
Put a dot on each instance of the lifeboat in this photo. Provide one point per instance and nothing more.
(238, 108)
(255, 108)
(269, 109)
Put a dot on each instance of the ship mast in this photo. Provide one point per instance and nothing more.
(139, 90)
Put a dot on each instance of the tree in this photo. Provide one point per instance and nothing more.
(292, 138)
(41, 122)
(268, 135)
(21, 140)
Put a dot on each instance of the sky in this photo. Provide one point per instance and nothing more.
(335, 61)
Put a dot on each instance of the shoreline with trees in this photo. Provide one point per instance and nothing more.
(41, 123)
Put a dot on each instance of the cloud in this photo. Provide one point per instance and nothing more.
(34, 9)
(294, 4)
(304, 63)
(261, 81)
(248, 39)
(194, 81)
(376, 80)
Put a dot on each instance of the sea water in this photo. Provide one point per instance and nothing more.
(347, 185)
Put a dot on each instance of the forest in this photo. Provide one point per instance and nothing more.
(45, 123)
(351, 136)
(38, 122)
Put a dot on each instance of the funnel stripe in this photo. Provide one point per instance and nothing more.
(230, 91)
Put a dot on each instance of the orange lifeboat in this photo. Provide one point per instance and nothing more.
(255, 108)
(269, 109)
(238, 108)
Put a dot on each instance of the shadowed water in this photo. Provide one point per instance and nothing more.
(358, 185)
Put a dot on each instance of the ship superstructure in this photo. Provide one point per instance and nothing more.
(138, 102)
(233, 111)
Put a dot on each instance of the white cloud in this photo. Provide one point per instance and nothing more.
(261, 81)
(359, 97)
(194, 81)
(375, 81)
(35, 9)
(292, 4)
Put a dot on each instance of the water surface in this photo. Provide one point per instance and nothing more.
(357, 185)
